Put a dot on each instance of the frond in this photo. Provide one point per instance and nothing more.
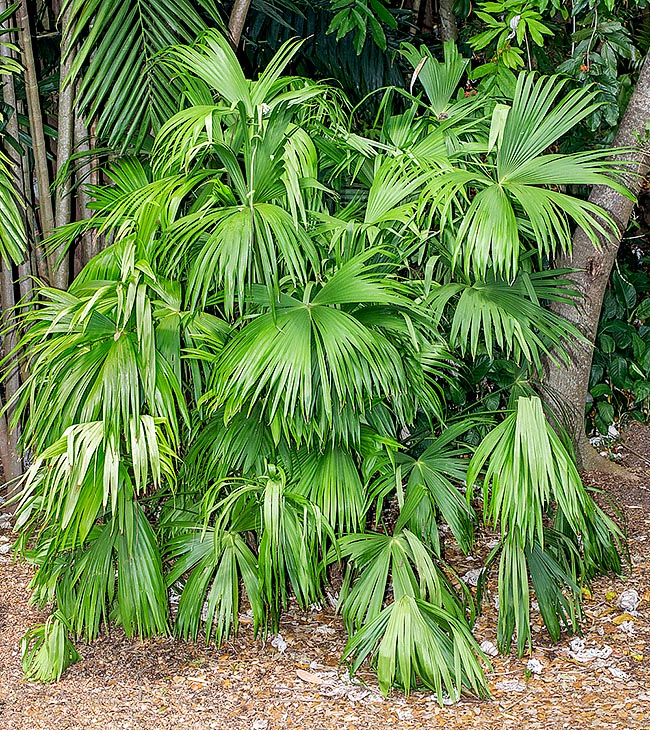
(47, 650)
(141, 591)
(310, 357)
(414, 643)
(509, 204)
(439, 80)
(331, 480)
(118, 49)
(529, 472)
(13, 238)
(508, 315)
(214, 562)
(433, 486)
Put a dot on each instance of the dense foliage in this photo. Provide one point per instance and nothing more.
(258, 377)
(620, 373)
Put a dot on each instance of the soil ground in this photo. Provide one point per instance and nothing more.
(165, 684)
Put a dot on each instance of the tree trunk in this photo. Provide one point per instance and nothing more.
(237, 21)
(448, 27)
(65, 137)
(9, 97)
(86, 173)
(46, 212)
(566, 386)
(11, 462)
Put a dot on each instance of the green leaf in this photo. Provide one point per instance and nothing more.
(47, 650)
(13, 238)
(413, 641)
(499, 117)
(118, 57)
(141, 591)
(439, 80)
(606, 343)
(309, 357)
(605, 412)
(214, 562)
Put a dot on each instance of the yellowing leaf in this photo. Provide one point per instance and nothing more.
(623, 617)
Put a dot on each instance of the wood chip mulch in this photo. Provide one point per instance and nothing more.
(603, 681)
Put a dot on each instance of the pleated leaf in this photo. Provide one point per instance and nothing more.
(415, 643)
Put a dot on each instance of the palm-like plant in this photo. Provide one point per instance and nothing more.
(314, 360)
(47, 650)
(13, 238)
(507, 316)
(510, 201)
(119, 48)
(416, 641)
(529, 471)
(256, 360)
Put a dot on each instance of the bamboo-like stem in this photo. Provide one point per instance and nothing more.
(46, 211)
(86, 173)
(59, 264)
(20, 163)
(9, 438)
(238, 20)
(9, 97)
(12, 462)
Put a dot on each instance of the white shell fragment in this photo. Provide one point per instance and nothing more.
(580, 653)
(488, 648)
(629, 600)
(472, 576)
(277, 642)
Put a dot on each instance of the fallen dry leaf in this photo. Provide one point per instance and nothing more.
(308, 677)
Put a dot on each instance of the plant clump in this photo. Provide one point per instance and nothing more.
(284, 335)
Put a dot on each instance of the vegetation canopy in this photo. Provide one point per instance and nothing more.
(260, 377)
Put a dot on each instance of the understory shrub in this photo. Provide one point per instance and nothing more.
(287, 357)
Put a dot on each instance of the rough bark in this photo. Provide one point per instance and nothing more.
(46, 211)
(448, 26)
(237, 20)
(566, 386)
(59, 264)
